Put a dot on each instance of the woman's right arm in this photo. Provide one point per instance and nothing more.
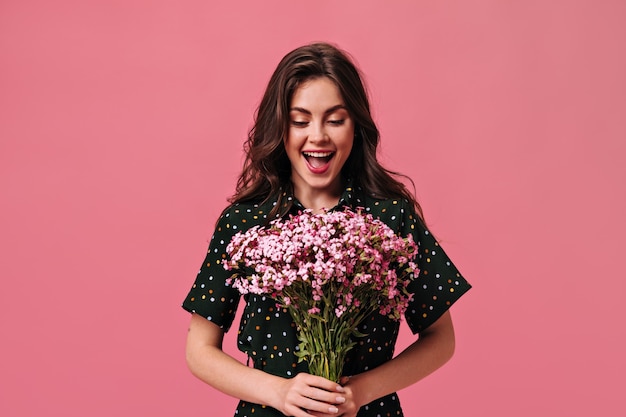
(292, 397)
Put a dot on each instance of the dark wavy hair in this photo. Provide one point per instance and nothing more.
(267, 171)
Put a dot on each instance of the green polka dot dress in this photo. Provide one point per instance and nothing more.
(268, 335)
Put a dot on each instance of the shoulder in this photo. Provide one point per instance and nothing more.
(244, 215)
(397, 213)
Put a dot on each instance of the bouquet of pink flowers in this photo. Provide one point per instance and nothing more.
(330, 271)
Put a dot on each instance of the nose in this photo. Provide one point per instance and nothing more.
(318, 133)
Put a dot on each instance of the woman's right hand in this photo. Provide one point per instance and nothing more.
(308, 395)
(291, 396)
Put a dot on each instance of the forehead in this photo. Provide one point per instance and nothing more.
(316, 92)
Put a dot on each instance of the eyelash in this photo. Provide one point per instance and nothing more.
(332, 122)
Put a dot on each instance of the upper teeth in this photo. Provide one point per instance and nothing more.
(318, 154)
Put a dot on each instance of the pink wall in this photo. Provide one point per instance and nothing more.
(121, 124)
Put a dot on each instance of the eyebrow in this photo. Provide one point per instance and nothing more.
(330, 110)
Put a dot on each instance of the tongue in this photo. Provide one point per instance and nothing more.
(317, 162)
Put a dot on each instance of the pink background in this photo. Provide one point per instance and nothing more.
(121, 125)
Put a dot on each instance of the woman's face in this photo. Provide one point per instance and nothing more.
(319, 140)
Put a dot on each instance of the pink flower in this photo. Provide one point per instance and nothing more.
(343, 259)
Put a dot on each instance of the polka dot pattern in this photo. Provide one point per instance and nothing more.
(268, 335)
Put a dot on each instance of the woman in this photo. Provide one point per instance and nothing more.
(313, 146)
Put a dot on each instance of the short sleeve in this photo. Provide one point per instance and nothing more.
(439, 283)
(210, 296)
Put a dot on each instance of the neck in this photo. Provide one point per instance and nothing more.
(318, 200)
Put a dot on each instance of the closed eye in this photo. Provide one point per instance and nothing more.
(337, 122)
(298, 123)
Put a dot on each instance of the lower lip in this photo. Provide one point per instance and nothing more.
(319, 170)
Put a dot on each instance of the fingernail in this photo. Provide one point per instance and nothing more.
(333, 409)
(340, 400)
(340, 389)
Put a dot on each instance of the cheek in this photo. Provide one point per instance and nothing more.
(348, 140)
(294, 137)
(292, 144)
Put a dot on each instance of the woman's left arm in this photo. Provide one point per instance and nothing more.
(432, 350)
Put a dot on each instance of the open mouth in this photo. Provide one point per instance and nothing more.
(318, 159)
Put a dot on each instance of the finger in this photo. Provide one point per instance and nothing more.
(316, 414)
(320, 389)
(323, 383)
(324, 396)
(321, 407)
(302, 412)
(317, 394)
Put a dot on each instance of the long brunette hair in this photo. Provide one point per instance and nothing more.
(267, 171)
